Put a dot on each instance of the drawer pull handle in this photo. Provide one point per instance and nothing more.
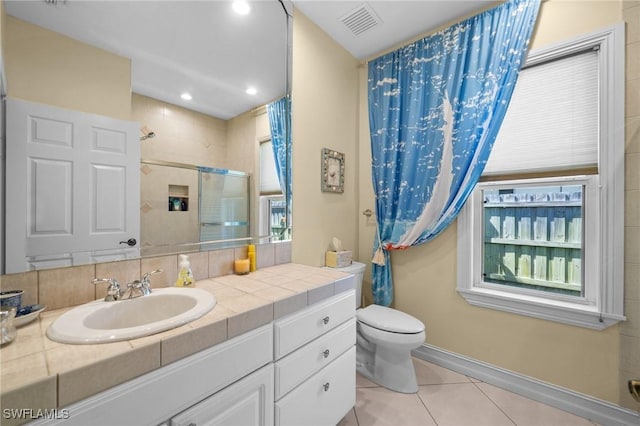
(325, 320)
(326, 353)
(326, 387)
(191, 424)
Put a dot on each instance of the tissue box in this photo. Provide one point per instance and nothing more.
(338, 259)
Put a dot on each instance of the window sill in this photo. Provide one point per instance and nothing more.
(563, 312)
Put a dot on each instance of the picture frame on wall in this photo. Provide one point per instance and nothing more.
(332, 171)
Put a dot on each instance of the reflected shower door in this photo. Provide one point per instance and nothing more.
(224, 206)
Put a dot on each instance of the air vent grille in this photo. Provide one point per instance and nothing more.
(361, 19)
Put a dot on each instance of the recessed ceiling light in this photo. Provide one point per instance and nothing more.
(186, 96)
(241, 7)
(251, 91)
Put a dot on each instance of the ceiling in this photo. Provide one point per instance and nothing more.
(205, 49)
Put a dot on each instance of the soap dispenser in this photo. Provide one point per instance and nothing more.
(185, 276)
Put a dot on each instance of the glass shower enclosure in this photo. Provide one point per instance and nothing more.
(192, 208)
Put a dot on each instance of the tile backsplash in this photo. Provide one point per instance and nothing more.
(71, 286)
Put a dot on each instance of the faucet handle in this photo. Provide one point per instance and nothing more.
(113, 291)
(145, 277)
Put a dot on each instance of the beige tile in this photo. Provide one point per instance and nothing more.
(28, 341)
(350, 419)
(461, 404)
(265, 255)
(199, 264)
(379, 406)
(124, 272)
(64, 358)
(431, 374)
(284, 301)
(169, 266)
(82, 382)
(35, 396)
(320, 293)
(526, 412)
(273, 279)
(250, 312)
(363, 382)
(249, 285)
(26, 281)
(220, 262)
(23, 371)
(343, 284)
(195, 340)
(282, 252)
(225, 293)
(297, 285)
(64, 287)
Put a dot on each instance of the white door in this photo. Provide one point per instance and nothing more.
(72, 186)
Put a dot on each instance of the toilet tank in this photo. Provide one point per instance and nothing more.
(357, 269)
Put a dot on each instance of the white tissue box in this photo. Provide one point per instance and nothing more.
(338, 259)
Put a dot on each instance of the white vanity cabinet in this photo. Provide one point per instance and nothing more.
(315, 368)
(214, 377)
(298, 370)
(246, 402)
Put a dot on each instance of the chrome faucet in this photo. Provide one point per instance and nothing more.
(137, 288)
(113, 291)
(141, 287)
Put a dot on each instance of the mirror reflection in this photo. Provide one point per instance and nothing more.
(189, 161)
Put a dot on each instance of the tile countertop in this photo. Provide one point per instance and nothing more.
(38, 373)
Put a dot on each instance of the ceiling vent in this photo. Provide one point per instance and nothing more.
(361, 19)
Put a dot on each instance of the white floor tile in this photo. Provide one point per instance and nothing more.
(526, 412)
(431, 374)
(461, 404)
(379, 406)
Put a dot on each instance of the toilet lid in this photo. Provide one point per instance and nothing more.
(389, 319)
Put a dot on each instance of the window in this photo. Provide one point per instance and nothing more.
(549, 243)
(269, 183)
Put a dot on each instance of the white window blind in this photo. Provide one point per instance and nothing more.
(552, 120)
(269, 183)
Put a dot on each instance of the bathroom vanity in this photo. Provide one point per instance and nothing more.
(297, 369)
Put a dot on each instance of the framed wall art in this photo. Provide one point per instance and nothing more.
(332, 171)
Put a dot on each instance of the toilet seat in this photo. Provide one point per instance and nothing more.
(389, 320)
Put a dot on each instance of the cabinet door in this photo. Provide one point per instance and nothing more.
(245, 403)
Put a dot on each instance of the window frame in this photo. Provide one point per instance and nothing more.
(602, 304)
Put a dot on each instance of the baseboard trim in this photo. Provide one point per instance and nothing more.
(597, 410)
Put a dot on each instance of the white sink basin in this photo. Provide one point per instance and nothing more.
(105, 322)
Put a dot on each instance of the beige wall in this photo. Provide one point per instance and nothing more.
(580, 359)
(630, 330)
(46, 67)
(324, 115)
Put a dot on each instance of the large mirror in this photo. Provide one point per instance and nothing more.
(203, 85)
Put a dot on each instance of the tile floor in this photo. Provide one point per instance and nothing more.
(447, 398)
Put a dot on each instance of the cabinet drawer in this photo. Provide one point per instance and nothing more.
(325, 398)
(295, 330)
(303, 363)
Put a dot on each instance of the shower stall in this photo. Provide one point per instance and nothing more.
(192, 208)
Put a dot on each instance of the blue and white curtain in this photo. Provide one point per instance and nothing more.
(279, 113)
(435, 107)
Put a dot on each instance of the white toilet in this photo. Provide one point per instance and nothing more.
(384, 342)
